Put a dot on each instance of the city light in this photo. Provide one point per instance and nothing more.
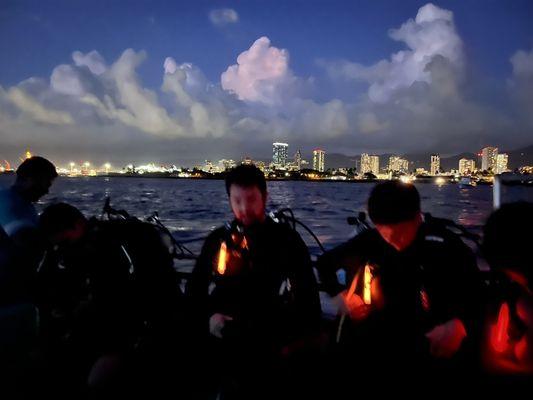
(366, 168)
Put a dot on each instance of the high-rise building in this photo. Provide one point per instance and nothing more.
(298, 160)
(319, 160)
(226, 164)
(374, 164)
(369, 164)
(489, 157)
(501, 163)
(279, 154)
(398, 164)
(466, 166)
(208, 167)
(435, 164)
(365, 163)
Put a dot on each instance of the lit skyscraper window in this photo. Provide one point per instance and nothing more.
(319, 160)
(435, 164)
(279, 154)
(489, 157)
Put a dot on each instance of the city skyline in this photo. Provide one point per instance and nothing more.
(489, 159)
(203, 81)
(368, 168)
(299, 158)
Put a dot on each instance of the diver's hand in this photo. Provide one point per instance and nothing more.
(446, 339)
(353, 306)
(217, 323)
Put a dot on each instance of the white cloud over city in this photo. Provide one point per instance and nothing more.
(411, 100)
(432, 33)
(261, 74)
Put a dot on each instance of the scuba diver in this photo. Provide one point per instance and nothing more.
(508, 343)
(110, 300)
(254, 296)
(21, 249)
(19, 220)
(412, 298)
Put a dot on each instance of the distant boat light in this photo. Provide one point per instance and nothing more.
(440, 181)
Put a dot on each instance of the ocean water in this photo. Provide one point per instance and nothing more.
(192, 208)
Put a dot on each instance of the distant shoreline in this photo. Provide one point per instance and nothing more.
(448, 179)
(429, 179)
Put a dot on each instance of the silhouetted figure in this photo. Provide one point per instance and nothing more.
(110, 300)
(507, 241)
(21, 250)
(19, 218)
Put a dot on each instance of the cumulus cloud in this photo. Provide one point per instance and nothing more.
(140, 106)
(522, 62)
(326, 120)
(92, 60)
(65, 79)
(75, 81)
(199, 102)
(421, 98)
(82, 78)
(260, 75)
(97, 94)
(36, 111)
(223, 16)
(170, 65)
(437, 116)
(353, 71)
(432, 33)
(367, 122)
(112, 102)
(521, 83)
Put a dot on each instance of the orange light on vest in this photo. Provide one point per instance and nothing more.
(367, 286)
(499, 336)
(222, 258)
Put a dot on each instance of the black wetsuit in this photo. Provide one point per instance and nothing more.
(431, 282)
(13, 282)
(114, 292)
(269, 290)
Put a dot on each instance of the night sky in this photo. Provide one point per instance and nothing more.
(181, 82)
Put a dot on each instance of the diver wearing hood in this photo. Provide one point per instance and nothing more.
(413, 292)
(253, 287)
